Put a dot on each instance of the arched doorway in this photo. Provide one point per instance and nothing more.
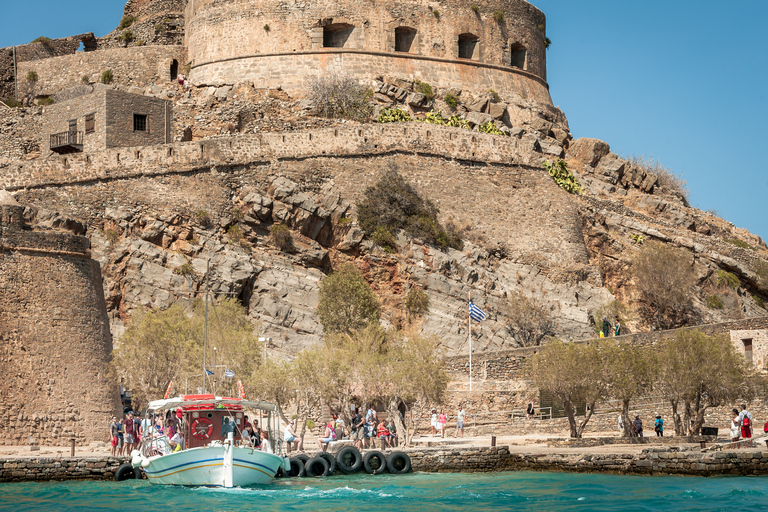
(174, 69)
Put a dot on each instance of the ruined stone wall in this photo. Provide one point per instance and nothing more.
(246, 31)
(54, 338)
(131, 66)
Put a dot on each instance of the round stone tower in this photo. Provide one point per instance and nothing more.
(54, 337)
(493, 44)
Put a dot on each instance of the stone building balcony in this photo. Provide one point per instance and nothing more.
(67, 142)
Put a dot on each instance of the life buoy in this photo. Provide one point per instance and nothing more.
(201, 428)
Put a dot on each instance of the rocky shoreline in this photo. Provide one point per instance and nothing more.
(651, 461)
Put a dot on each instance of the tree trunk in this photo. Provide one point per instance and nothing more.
(676, 421)
(590, 412)
(687, 418)
(394, 413)
(569, 412)
(628, 430)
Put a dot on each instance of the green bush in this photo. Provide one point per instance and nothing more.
(563, 177)
(203, 218)
(384, 239)
(236, 236)
(451, 100)
(638, 238)
(457, 122)
(494, 95)
(140, 42)
(281, 237)
(476, 8)
(45, 101)
(346, 302)
(126, 22)
(392, 204)
(417, 302)
(13, 103)
(436, 13)
(760, 302)
(126, 37)
(160, 27)
(725, 279)
(498, 16)
(425, 89)
(547, 42)
(185, 270)
(490, 127)
(345, 221)
(714, 302)
(266, 28)
(85, 79)
(433, 117)
(111, 235)
(32, 76)
(393, 115)
(107, 77)
(45, 41)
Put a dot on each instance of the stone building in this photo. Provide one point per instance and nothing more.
(499, 44)
(55, 342)
(106, 118)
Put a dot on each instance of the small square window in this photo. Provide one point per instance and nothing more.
(90, 123)
(139, 122)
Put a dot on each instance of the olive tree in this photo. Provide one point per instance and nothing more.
(630, 371)
(574, 374)
(698, 371)
(529, 321)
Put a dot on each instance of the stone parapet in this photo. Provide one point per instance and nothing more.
(59, 468)
(178, 158)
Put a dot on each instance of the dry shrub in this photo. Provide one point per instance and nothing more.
(337, 95)
(665, 177)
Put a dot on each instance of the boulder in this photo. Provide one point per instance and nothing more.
(416, 99)
(223, 92)
(497, 110)
(541, 125)
(478, 105)
(611, 170)
(478, 118)
(589, 151)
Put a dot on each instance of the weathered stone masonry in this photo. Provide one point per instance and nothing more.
(54, 337)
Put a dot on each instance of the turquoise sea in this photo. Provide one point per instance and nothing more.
(418, 492)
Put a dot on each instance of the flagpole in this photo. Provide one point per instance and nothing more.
(469, 317)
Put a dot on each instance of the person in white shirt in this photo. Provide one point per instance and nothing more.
(459, 422)
(289, 436)
(265, 445)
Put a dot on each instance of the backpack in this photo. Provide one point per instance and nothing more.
(745, 421)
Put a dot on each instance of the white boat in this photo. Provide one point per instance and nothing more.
(215, 453)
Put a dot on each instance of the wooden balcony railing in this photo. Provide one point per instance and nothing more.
(67, 142)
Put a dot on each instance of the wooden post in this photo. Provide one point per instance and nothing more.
(73, 447)
(493, 440)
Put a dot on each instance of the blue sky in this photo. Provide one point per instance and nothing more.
(681, 80)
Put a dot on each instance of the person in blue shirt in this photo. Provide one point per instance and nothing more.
(659, 426)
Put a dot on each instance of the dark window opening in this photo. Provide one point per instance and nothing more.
(174, 69)
(468, 46)
(139, 122)
(404, 39)
(336, 35)
(90, 123)
(518, 56)
(747, 350)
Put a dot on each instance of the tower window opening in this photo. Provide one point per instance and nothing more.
(518, 56)
(469, 46)
(336, 35)
(404, 39)
(174, 69)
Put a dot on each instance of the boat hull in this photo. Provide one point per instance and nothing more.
(205, 467)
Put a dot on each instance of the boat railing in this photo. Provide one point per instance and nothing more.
(156, 445)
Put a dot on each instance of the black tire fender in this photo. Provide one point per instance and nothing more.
(316, 467)
(330, 460)
(349, 460)
(297, 468)
(371, 467)
(125, 472)
(398, 463)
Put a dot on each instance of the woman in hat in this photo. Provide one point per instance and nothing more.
(659, 426)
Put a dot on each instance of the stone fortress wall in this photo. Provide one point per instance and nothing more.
(500, 46)
(54, 337)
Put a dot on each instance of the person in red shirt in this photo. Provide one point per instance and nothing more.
(129, 433)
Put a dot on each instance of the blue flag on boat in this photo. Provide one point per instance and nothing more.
(208, 372)
(229, 373)
(475, 313)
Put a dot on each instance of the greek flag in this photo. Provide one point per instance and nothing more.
(208, 372)
(229, 373)
(475, 313)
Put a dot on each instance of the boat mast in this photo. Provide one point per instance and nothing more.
(205, 330)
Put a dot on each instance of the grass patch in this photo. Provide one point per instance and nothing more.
(714, 302)
(759, 301)
(32, 76)
(236, 236)
(475, 8)
(494, 95)
(281, 237)
(417, 302)
(185, 270)
(107, 77)
(739, 243)
(498, 16)
(425, 89)
(665, 177)
(451, 100)
(126, 37)
(45, 41)
(340, 96)
(725, 279)
(12, 102)
(45, 101)
(126, 22)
